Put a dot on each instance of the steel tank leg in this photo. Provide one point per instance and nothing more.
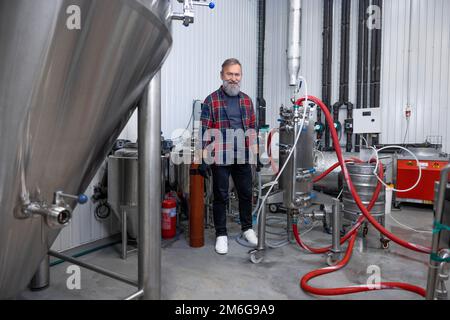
(257, 255)
(290, 231)
(41, 279)
(149, 135)
(435, 251)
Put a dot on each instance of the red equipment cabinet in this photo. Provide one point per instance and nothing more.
(407, 174)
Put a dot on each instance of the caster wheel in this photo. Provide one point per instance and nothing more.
(256, 257)
(332, 260)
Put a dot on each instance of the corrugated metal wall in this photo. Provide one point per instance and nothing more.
(191, 72)
(277, 90)
(430, 67)
(429, 70)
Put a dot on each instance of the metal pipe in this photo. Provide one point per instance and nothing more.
(434, 265)
(149, 135)
(370, 56)
(261, 53)
(290, 232)
(293, 179)
(41, 279)
(294, 48)
(100, 270)
(443, 276)
(124, 235)
(327, 60)
(262, 229)
(337, 225)
(408, 65)
(134, 296)
(362, 28)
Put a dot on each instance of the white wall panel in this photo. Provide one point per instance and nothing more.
(430, 68)
(192, 70)
(429, 63)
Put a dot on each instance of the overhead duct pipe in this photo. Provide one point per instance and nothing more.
(294, 31)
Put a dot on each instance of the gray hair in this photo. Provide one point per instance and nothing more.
(231, 62)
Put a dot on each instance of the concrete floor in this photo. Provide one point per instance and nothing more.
(201, 274)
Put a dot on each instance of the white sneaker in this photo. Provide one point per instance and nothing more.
(251, 237)
(222, 245)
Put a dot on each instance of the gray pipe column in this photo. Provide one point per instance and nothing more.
(41, 279)
(294, 40)
(149, 138)
(436, 243)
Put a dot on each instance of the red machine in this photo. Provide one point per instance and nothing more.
(407, 174)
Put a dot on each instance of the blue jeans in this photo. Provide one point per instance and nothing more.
(242, 177)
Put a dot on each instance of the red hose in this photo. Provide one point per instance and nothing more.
(351, 187)
(355, 227)
(331, 169)
(354, 289)
(353, 233)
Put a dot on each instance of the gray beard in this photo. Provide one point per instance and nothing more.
(231, 89)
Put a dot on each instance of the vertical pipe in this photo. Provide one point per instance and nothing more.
(124, 235)
(377, 76)
(438, 217)
(197, 208)
(149, 135)
(362, 53)
(262, 229)
(290, 232)
(337, 225)
(327, 61)
(261, 112)
(41, 279)
(294, 40)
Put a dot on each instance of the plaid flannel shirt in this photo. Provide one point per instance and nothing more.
(214, 116)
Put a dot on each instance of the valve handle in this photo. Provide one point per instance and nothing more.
(211, 5)
(81, 198)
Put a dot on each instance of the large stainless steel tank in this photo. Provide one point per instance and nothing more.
(297, 190)
(65, 95)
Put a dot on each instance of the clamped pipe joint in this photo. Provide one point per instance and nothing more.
(305, 175)
(57, 215)
(188, 15)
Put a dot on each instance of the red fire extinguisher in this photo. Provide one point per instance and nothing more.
(169, 219)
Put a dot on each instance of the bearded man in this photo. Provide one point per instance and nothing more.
(228, 128)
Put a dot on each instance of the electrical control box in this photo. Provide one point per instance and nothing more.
(367, 120)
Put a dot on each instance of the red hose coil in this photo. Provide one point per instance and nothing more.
(353, 233)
